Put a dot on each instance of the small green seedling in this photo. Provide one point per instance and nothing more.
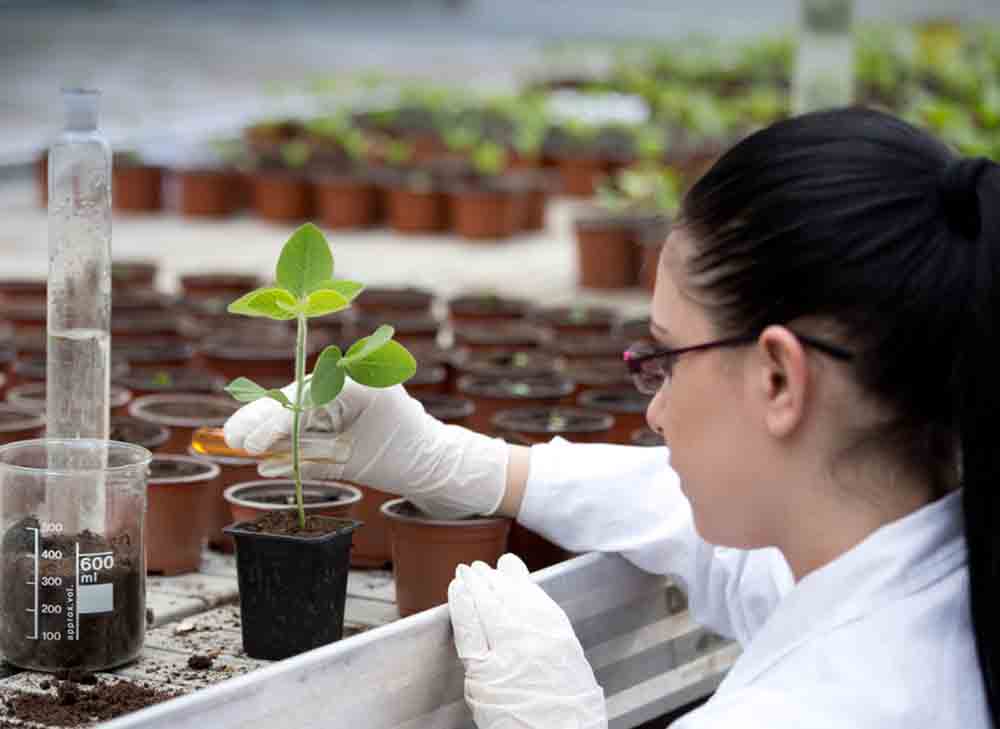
(489, 159)
(306, 289)
(295, 154)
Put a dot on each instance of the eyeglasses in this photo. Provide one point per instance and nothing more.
(651, 367)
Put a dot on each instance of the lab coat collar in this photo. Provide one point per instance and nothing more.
(895, 560)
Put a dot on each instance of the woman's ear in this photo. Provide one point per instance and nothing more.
(783, 380)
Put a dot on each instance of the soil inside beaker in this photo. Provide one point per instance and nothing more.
(68, 704)
(91, 620)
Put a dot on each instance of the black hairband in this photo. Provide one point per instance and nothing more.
(958, 187)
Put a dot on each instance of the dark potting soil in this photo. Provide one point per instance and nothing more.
(286, 523)
(205, 410)
(289, 499)
(554, 420)
(105, 639)
(163, 469)
(67, 704)
(138, 432)
(199, 662)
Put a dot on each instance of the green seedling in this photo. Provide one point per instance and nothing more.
(489, 159)
(305, 289)
(461, 137)
(162, 379)
(295, 154)
(399, 153)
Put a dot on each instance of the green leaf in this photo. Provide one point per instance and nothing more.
(269, 303)
(362, 348)
(245, 390)
(389, 365)
(323, 302)
(327, 377)
(348, 289)
(278, 395)
(305, 261)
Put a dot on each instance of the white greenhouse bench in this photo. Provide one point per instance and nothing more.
(648, 655)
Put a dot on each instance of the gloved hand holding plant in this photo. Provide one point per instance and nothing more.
(305, 290)
(363, 427)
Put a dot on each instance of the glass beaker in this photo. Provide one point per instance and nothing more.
(72, 597)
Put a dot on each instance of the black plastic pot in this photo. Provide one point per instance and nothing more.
(292, 588)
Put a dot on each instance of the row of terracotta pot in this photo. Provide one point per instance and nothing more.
(511, 204)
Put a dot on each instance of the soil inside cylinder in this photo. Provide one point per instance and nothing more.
(93, 619)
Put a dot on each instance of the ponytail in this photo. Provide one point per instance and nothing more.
(978, 406)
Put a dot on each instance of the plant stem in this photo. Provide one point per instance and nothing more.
(300, 376)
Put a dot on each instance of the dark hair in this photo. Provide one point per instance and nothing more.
(856, 218)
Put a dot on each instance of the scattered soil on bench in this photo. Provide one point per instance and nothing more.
(72, 704)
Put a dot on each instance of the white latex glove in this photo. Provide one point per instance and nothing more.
(383, 438)
(524, 666)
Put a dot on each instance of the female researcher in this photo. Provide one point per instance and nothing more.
(827, 311)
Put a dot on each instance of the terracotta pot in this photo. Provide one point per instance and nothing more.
(447, 408)
(282, 196)
(34, 369)
(388, 301)
(30, 345)
(141, 302)
(257, 358)
(232, 470)
(183, 414)
(30, 397)
(509, 364)
(428, 379)
(486, 307)
(627, 404)
(221, 285)
(180, 491)
(372, 546)
(3, 385)
(138, 188)
(21, 289)
(127, 429)
(172, 380)
(598, 374)
(606, 253)
(410, 329)
(252, 499)
(542, 424)
(576, 320)
(519, 336)
(483, 214)
(16, 424)
(131, 275)
(535, 551)
(24, 314)
(646, 438)
(426, 552)
(416, 211)
(590, 347)
(430, 356)
(209, 193)
(129, 327)
(153, 354)
(491, 395)
(345, 203)
(580, 175)
(634, 330)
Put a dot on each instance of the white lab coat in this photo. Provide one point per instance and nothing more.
(880, 638)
